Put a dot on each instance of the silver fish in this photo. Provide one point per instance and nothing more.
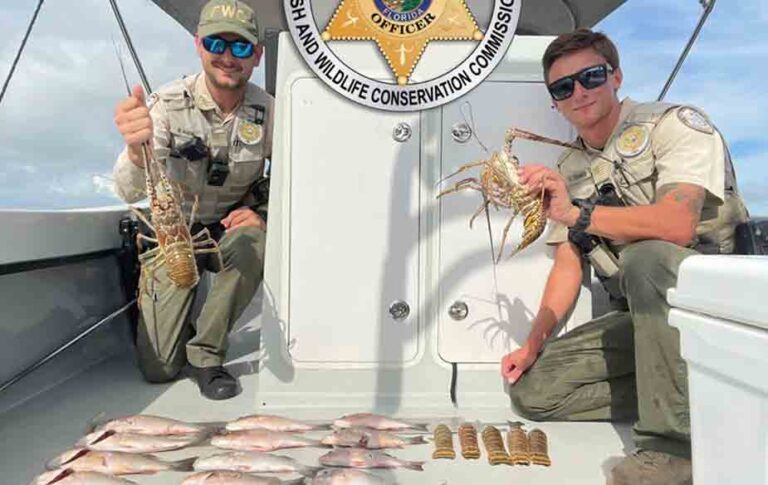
(146, 424)
(346, 476)
(137, 443)
(252, 462)
(368, 438)
(270, 422)
(376, 421)
(115, 462)
(260, 440)
(224, 477)
(65, 476)
(361, 458)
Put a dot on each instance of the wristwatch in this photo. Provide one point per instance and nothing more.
(586, 207)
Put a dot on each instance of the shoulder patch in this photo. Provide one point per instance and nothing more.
(695, 119)
(633, 140)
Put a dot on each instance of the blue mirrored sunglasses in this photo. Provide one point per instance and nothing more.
(240, 49)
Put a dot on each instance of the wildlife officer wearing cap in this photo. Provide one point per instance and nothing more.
(651, 184)
(212, 132)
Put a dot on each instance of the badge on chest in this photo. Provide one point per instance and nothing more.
(249, 132)
(633, 141)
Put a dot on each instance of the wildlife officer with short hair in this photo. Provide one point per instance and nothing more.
(651, 184)
(211, 132)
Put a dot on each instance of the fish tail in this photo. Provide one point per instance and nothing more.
(96, 422)
(414, 465)
(205, 435)
(309, 471)
(185, 465)
(212, 427)
(416, 440)
(295, 481)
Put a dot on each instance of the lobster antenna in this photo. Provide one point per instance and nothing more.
(145, 146)
(469, 119)
(471, 122)
(122, 66)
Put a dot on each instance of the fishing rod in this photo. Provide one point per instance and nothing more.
(131, 49)
(708, 5)
(21, 49)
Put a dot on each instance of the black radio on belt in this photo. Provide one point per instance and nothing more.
(752, 236)
(218, 170)
(193, 149)
(607, 195)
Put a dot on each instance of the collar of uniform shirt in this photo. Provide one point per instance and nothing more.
(204, 101)
(627, 105)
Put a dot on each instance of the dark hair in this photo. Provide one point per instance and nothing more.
(578, 40)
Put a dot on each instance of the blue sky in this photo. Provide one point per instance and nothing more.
(58, 143)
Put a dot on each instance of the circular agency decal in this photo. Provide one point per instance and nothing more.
(402, 29)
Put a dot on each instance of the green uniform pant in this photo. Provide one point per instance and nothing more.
(622, 366)
(166, 339)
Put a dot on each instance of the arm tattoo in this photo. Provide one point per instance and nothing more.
(690, 195)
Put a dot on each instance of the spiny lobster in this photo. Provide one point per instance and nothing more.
(500, 186)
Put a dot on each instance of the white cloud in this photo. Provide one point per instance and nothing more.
(57, 113)
(103, 184)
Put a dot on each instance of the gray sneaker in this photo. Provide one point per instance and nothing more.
(647, 467)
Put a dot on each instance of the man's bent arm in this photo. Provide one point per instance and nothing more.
(130, 181)
(673, 217)
(560, 294)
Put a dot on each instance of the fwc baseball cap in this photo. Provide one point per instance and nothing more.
(228, 16)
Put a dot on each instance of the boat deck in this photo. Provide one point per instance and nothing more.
(55, 419)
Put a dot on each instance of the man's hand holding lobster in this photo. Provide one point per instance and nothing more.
(243, 217)
(135, 124)
(557, 201)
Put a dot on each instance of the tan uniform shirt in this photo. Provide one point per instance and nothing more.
(654, 145)
(184, 109)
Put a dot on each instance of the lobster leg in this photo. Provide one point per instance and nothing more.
(504, 237)
(483, 206)
(208, 241)
(470, 183)
(462, 168)
(143, 219)
(194, 209)
(141, 237)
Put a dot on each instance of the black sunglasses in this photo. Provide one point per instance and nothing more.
(589, 78)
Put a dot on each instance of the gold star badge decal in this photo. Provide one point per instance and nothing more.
(402, 28)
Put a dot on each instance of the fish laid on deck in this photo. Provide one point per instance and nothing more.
(368, 438)
(115, 462)
(376, 421)
(270, 422)
(224, 477)
(252, 462)
(361, 458)
(261, 440)
(146, 424)
(70, 477)
(346, 476)
(138, 443)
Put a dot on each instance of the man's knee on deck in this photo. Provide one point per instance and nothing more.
(243, 249)
(532, 396)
